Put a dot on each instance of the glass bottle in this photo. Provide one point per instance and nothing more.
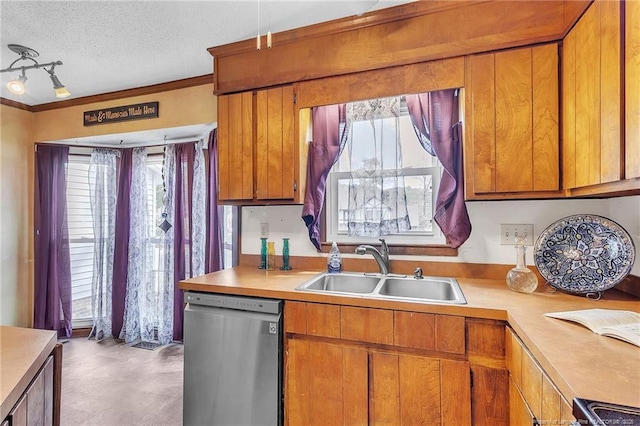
(263, 253)
(521, 278)
(271, 256)
(285, 255)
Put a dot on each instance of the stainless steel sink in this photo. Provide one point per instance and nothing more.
(428, 288)
(342, 283)
(390, 287)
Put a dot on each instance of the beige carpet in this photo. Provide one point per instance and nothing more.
(113, 384)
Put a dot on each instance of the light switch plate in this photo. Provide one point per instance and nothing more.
(509, 231)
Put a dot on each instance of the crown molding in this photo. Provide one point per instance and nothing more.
(14, 104)
(110, 96)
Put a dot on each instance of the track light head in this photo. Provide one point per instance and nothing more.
(17, 86)
(59, 89)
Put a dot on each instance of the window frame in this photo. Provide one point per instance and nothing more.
(435, 237)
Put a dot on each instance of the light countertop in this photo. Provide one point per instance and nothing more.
(580, 363)
(22, 353)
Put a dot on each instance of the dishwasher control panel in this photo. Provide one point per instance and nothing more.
(253, 304)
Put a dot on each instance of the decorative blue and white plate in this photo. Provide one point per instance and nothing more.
(584, 254)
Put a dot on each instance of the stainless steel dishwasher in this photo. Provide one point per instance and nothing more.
(232, 360)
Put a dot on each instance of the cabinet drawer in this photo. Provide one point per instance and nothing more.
(323, 320)
(450, 334)
(531, 385)
(445, 333)
(367, 325)
(415, 330)
(295, 317)
(316, 319)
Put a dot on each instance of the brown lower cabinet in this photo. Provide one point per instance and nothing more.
(359, 366)
(533, 398)
(39, 404)
(35, 406)
(343, 384)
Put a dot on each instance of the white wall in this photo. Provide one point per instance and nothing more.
(483, 246)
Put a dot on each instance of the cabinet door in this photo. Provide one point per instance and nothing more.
(591, 97)
(235, 147)
(412, 389)
(519, 413)
(632, 89)
(18, 414)
(325, 384)
(35, 407)
(275, 144)
(512, 122)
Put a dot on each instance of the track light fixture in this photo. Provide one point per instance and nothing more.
(17, 86)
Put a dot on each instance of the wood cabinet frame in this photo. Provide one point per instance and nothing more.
(411, 33)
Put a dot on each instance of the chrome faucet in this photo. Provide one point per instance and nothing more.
(381, 256)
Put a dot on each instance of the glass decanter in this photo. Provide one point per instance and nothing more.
(521, 278)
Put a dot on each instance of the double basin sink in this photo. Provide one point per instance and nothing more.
(390, 287)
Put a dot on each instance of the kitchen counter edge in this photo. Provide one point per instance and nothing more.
(580, 363)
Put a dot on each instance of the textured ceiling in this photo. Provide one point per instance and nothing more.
(107, 46)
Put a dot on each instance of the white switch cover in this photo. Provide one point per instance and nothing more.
(509, 231)
(264, 230)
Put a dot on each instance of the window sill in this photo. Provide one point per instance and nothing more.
(399, 249)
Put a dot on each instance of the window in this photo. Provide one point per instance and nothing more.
(80, 238)
(81, 233)
(405, 168)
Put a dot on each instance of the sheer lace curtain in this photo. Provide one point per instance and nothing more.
(165, 300)
(153, 307)
(139, 321)
(377, 199)
(198, 211)
(103, 193)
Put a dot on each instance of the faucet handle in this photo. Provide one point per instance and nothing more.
(384, 248)
(417, 273)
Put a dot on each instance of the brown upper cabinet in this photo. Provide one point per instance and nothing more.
(632, 90)
(275, 144)
(601, 149)
(537, 124)
(511, 138)
(259, 158)
(235, 147)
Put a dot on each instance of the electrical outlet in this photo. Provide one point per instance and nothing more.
(509, 231)
(264, 230)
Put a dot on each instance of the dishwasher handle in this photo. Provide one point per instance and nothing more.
(251, 304)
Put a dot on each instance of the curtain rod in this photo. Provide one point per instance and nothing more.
(123, 143)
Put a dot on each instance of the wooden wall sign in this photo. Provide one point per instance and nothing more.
(121, 113)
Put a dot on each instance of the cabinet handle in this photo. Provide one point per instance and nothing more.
(295, 186)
